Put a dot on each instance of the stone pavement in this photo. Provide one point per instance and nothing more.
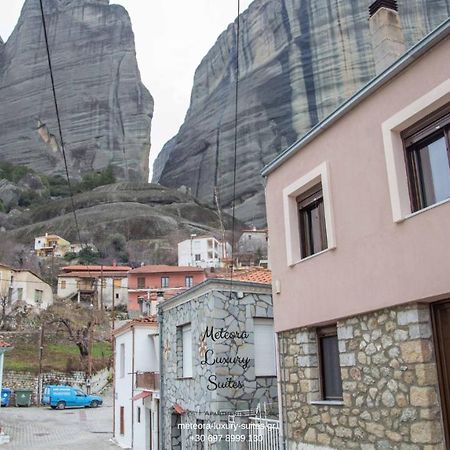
(43, 428)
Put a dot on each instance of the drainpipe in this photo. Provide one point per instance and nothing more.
(161, 383)
(280, 392)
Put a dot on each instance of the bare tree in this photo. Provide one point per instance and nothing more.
(80, 323)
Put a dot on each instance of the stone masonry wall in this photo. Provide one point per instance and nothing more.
(389, 380)
(221, 310)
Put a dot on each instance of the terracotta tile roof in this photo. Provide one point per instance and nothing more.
(80, 267)
(252, 274)
(163, 268)
(148, 319)
(4, 344)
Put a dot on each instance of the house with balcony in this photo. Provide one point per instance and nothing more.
(218, 363)
(51, 245)
(102, 286)
(203, 251)
(136, 384)
(151, 283)
(359, 219)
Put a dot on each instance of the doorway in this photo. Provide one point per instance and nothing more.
(441, 325)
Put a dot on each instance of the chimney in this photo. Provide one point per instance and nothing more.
(388, 41)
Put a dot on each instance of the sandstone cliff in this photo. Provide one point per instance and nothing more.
(105, 110)
(299, 60)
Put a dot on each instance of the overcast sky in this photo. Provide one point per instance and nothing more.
(172, 36)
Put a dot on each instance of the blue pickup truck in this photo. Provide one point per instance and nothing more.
(60, 397)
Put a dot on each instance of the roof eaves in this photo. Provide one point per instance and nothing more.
(429, 41)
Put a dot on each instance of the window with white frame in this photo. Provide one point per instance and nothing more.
(427, 153)
(186, 333)
(308, 215)
(417, 156)
(265, 359)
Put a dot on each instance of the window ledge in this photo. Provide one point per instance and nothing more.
(435, 205)
(311, 256)
(327, 402)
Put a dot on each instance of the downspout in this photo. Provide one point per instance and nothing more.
(132, 390)
(280, 392)
(161, 377)
(114, 383)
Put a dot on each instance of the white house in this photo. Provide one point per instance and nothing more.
(27, 287)
(203, 251)
(136, 384)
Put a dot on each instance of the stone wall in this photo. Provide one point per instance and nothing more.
(389, 380)
(220, 309)
(28, 380)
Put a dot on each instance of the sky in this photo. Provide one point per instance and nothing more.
(169, 35)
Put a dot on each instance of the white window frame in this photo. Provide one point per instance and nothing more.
(319, 174)
(394, 152)
(187, 354)
(261, 368)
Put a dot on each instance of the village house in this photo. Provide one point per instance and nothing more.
(359, 219)
(28, 287)
(20, 285)
(218, 362)
(136, 384)
(203, 251)
(102, 286)
(151, 283)
(252, 247)
(6, 276)
(51, 245)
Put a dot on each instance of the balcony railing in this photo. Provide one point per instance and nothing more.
(148, 380)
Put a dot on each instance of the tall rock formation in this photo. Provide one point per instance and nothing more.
(105, 110)
(299, 59)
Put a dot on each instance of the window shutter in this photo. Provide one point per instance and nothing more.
(187, 351)
(265, 360)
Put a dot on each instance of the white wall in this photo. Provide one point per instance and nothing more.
(123, 389)
(199, 246)
(146, 359)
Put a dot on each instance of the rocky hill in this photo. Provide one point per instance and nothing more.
(105, 110)
(299, 59)
(152, 219)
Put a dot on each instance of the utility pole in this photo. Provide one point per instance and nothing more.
(101, 288)
(41, 351)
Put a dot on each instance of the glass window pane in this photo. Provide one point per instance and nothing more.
(434, 172)
(332, 382)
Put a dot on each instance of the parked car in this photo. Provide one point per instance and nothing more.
(60, 397)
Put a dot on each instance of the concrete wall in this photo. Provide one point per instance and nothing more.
(378, 260)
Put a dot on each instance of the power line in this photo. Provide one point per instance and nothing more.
(63, 148)
(55, 101)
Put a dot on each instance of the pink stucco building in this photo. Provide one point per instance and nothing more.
(359, 233)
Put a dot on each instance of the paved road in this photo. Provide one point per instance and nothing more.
(44, 428)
